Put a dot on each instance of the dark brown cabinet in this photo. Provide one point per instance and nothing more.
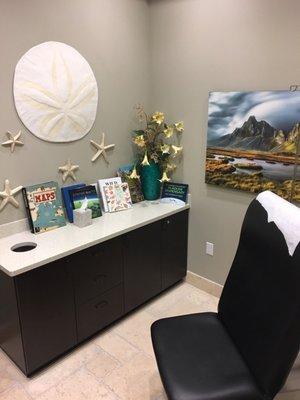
(47, 311)
(97, 269)
(174, 234)
(142, 267)
(100, 312)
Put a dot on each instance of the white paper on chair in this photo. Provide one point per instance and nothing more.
(55, 92)
(285, 215)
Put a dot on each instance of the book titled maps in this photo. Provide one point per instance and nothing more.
(44, 207)
(86, 195)
(117, 197)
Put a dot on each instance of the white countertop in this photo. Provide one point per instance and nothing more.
(63, 241)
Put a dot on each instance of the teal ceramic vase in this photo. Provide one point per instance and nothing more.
(150, 175)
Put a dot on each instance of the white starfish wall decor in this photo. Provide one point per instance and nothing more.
(13, 141)
(8, 194)
(101, 149)
(68, 170)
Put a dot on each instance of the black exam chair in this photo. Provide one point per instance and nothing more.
(247, 349)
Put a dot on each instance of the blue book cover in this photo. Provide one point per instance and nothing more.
(126, 168)
(89, 195)
(68, 201)
(45, 207)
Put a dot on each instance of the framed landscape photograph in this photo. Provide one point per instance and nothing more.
(253, 141)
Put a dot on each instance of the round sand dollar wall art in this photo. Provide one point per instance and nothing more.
(55, 92)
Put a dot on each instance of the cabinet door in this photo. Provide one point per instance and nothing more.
(142, 265)
(97, 269)
(174, 248)
(47, 313)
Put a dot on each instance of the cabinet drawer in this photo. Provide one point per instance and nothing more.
(99, 312)
(97, 270)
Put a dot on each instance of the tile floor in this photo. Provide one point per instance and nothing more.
(118, 364)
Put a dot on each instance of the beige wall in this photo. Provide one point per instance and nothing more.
(195, 46)
(199, 46)
(167, 54)
(113, 35)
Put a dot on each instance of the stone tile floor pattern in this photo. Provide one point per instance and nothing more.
(117, 364)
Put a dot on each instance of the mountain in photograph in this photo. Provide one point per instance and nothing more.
(259, 136)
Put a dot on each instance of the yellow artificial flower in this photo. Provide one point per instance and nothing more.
(164, 177)
(139, 141)
(171, 167)
(168, 131)
(158, 117)
(145, 160)
(179, 126)
(165, 149)
(177, 150)
(134, 174)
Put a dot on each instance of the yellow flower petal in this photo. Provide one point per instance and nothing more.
(158, 117)
(164, 178)
(177, 150)
(145, 160)
(171, 167)
(139, 141)
(168, 131)
(179, 126)
(165, 149)
(134, 174)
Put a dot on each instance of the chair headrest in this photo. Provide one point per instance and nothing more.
(285, 215)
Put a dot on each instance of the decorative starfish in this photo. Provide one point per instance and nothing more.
(68, 170)
(101, 149)
(13, 141)
(8, 195)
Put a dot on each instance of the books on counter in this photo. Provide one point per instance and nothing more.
(102, 183)
(44, 201)
(67, 198)
(44, 207)
(117, 197)
(87, 194)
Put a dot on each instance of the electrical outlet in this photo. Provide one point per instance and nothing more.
(209, 248)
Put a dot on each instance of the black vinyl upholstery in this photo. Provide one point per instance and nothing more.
(197, 359)
(246, 350)
(260, 303)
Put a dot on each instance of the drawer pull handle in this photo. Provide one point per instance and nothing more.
(165, 224)
(101, 304)
(99, 278)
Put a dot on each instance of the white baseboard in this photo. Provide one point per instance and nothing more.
(204, 284)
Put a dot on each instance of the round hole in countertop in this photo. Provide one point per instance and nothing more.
(22, 247)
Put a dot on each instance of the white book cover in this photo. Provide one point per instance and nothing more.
(106, 182)
(118, 197)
